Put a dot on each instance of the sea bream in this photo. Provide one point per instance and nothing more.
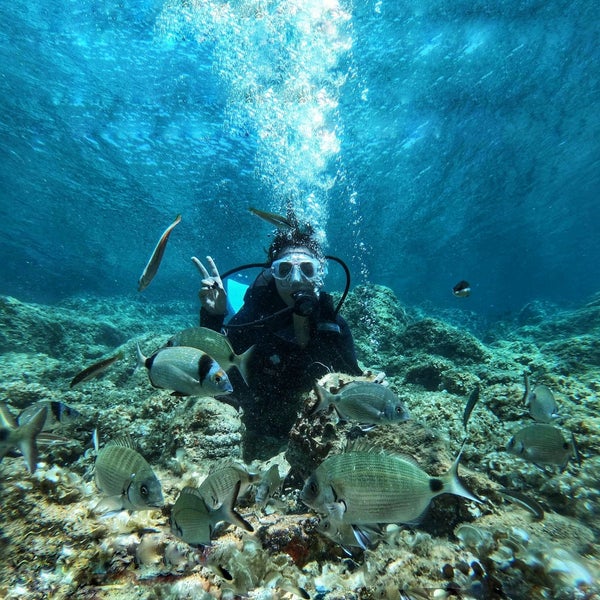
(215, 344)
(22, 436)
(366, 487)
(543, 444)
(193, 520)
(222, 479)
(124, 476)
(365, 402)
(186, 371)
(540, 401)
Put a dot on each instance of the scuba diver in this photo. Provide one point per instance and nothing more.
(297, 333)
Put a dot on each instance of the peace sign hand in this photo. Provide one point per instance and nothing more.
(212, 294)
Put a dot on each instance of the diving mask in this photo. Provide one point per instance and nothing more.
(301, 266)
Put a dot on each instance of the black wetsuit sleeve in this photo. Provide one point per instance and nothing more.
(211, 321)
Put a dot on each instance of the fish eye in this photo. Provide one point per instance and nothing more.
(144, 490)
(218, 378)
(399, 410)
(314, 487)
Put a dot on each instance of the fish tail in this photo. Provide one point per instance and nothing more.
(452, 483)
(325, 398)
(27, 435)
(242, 361)
(228, 513)
(141, 359)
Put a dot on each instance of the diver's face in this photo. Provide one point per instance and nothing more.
(297, 269)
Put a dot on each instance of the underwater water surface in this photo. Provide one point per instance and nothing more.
(428, 143)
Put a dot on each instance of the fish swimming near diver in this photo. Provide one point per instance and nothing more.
(194, 521)
(367, 487)
(270, 481)
(279, 221)
(152, 267)
(185, 371)
(57, 414)
(222, 478)
(125, 477)
(215, 344)
(22, 436)
(95, 369)
(540, 401)
(363, 401)
(543, 444)
(462, 289)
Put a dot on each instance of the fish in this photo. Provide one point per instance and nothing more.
(185, 371)
(57, 414)
(222, 478)
(541, 402)
(279, 221)
(532, 505)
(462, 289)
(154, 262)
(366, 487)
(194, 521)
(473, 399)
(363, 401)
(123, 474)
(216, 345)
(95, 369)
(23, 437)
(270, 482)
(349, 536)
(543, 444)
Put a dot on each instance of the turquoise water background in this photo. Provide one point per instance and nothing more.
(431, 142)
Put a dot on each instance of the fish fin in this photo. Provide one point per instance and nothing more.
(324, 399)
(336, 510)
(242, 360)
(227, 512)
(451, 482)
(27, 434)
(6, 418)
(141, 359)
(125, 441)
(179, 394)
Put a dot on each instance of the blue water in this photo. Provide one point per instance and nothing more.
(430, 141)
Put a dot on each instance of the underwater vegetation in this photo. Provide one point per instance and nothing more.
(533, 534)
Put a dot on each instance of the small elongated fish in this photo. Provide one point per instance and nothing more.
(58, 413)
(366, 487)
(270, 482)
(154, 262)
(22, 437)
(124, 475)
(462, 289)
(279, 221)
(541, 402)
(95, 369)
(215, 344)
(363, 401)
(473, 399)
(186, 371)
(543, 444)
(222, 478)
(194, 521)
(527, 502)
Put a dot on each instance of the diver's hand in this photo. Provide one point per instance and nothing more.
(212, 294)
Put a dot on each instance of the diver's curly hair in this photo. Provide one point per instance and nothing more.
(300, 234)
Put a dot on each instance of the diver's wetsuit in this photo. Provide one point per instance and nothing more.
(279, 368)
